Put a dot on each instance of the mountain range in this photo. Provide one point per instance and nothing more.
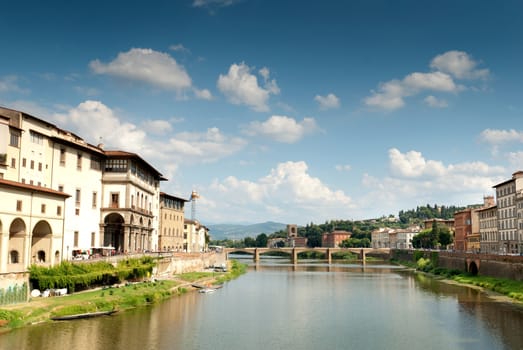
(240, 231)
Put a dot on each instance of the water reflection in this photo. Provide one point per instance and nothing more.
(309, 305)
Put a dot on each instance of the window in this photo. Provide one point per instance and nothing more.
(37, 138)
(15, 138)
(94, 199)
(76, 236)
(43, 208)
(79, 161)
(24, 162)
(13, 162)
(93, 236)
(77, 211)
(39, 166)
(32, 164)
(14, 257)
(19, 205)
(61, 188)
(96, 163)
(59, 210)
(115, 197)
(77, 196)
(116, 165)
(62, 156)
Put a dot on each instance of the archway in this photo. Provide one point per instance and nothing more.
(473, 268)
(17, 233)
(41, 242)
(113, 231)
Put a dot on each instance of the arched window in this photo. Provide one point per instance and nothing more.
(14, 257)
(41, 256)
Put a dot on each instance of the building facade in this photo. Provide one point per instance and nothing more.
(509, 239)
(488, 230)
(170, 233)
(333, 239)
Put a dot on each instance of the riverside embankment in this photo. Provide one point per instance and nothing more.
(161, 285)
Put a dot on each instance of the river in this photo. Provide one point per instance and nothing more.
(277, 305)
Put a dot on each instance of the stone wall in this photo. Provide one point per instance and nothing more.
(14, 288)
(178, 264)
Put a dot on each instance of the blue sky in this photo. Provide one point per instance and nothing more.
(290, 111)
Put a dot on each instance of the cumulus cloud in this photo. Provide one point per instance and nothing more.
(153, 139)
(451, 65)
(496, 136)
(87, 118)
(327, 102)
(240, 86)
(288, 185)
(157, 127)
(146, 65)
(208, 146)
(203, 94)
(435, 102)
(459, 64)
(282, 128)
(415, 179)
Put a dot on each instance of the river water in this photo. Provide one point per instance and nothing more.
(305, 306)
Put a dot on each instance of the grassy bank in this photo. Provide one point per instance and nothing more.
(120, 298)
(510, 288)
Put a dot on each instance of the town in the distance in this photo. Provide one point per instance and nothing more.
(63, 199)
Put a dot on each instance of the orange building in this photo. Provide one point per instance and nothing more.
(334, 238)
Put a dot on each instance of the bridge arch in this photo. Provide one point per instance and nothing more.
(473, 268)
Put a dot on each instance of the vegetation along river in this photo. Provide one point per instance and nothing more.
(308, 306)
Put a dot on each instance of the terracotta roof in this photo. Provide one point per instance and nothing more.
(32, 188)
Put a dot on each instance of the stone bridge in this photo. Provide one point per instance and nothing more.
(293, 252)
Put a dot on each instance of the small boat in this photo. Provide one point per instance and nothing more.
(207, 290)
(84, 315)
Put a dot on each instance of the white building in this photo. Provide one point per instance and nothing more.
(510, 241)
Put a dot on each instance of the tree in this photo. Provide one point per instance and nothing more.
(261, 240)
(249, 242)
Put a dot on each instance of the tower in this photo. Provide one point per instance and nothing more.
(194, 196)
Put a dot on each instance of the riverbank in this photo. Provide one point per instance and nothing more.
(499, 289)
(116, 298)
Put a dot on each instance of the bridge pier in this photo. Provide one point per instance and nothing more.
(256, 255)
(362, 256)
(294, 258)
(329, 256)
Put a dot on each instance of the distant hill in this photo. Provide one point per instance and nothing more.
(239, 231)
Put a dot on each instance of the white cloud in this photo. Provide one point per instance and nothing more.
(343, 167)
(287, 186)
(516, 159)
(208, 146)
(148, 66)
(94, 121)
(157, 127)
(496, 136)
(10, 84)
(241, 87)
(179, 48)
(453, 64)
(203, 94)
(282, 128)
(459, 64)
(327, 102)
(435, 102)
(414, 179)
(219, 3)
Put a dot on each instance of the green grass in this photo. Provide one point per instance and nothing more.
(109, 298)
(510, 288)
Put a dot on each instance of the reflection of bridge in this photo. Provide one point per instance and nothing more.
(293, 252)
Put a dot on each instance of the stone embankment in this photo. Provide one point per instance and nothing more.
(179, 263)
